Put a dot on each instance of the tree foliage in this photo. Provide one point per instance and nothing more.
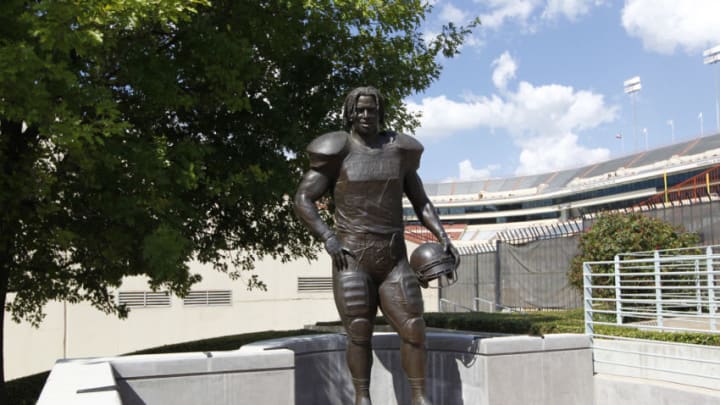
(615, 233)
(135, 136)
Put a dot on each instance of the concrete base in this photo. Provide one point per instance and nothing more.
(616, 390)
(462, 369)
(180, 378)
(682, 364)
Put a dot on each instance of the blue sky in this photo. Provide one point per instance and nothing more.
(539, 85)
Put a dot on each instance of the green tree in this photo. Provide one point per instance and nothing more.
(137, 135)
(615, 233)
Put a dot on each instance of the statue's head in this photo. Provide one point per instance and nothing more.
(351, 101)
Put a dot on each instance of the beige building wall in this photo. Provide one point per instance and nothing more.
(81, 331)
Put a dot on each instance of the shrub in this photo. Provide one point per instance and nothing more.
(615, 233)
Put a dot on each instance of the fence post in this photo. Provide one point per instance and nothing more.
(712, 305)
(476, 303)
(498, 281)
(658, 289)
(698, 290)
(587, 300)
(618, 294)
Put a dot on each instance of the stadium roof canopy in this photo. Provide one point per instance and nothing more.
(699, 149)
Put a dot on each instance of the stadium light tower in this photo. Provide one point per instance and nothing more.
(672, 129)
(702, 131)
(711, 57)
(632, 86)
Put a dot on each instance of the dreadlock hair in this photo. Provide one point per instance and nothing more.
(349, 111)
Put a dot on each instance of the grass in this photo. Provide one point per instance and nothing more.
(531, 323)
(543, 323)
(232, 342)
(26, 390)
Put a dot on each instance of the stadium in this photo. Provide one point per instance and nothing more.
(484, 211)
(516, 235)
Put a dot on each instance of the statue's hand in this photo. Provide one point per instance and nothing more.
(337, 253)
(450, 249)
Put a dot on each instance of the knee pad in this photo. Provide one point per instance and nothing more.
(360, 331)
(413, 331)
(353, 295)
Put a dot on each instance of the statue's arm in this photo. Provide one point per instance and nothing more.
(313, 186)
(425, 211)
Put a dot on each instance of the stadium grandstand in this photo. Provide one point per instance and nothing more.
(548, 204)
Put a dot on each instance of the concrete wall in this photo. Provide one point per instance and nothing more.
(91, 333)
(311, 370)
(683, 364)
(462, 369)
(622, 390)
(183, 379)
(31, 350)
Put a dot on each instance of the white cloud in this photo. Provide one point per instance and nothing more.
(543, 121)
(450, 13)
(665, 25)
(469, 173)
(505, 68)
(570, 9)
(429, 36)
(441, 116)
(525, 12)
(474, 41)
(502, 11)
(550, 152)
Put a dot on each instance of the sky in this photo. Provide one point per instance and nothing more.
(538, 86)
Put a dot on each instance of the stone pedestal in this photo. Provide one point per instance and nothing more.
(311, 370)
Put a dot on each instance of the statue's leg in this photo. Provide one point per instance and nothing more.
(356, 301)
(401, 302)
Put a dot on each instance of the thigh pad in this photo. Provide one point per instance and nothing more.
(353, 294)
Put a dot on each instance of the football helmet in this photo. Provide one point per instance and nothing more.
(430, 262)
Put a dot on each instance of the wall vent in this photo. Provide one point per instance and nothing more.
(144, 299)
(315, 284)
(208, 298)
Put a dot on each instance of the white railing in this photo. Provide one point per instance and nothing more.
(450, 306)
(447, 305)
(665, 291)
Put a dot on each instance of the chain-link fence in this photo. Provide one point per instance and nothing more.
(530, 275)
(534, 275)
(702, 218)
(527, 268)
(475, 288)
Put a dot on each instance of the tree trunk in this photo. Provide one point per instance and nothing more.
(4, 277)
(14, 146)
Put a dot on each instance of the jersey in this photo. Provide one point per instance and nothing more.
(367, 182)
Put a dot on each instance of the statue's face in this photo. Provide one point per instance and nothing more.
(366, 120)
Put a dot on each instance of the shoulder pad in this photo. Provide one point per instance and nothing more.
(329, 144)
(412, 149)
(326, 152)
(409, 143)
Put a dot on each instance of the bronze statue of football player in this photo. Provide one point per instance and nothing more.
(366, 172)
